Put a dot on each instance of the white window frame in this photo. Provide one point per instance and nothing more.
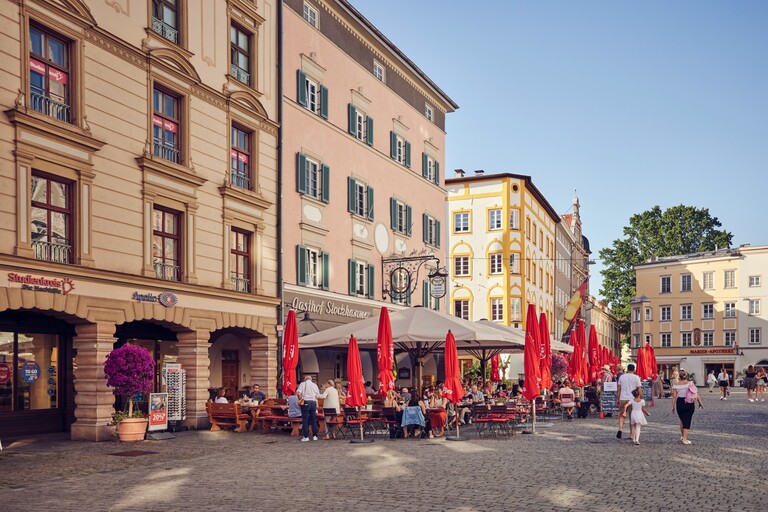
(314, 268)
(636, 315)
(686, 339)
(310, 15)
(665, 317)
(495, 265)
(431, 230)
(729, 279)
(636, 340)
(430, 168)
(729, 310)
(399, 149)
(361, 278)
(729, 338)
(666, 339)
(429, 113)
(362, 126)
(361, 199)
(755, 281)
(461, 266)
(648, 314)
(516, 309)
(754, 307)
(497, 309)
(514, 263)
(463, 311)
(461, 222)
(649, 339)
(707, 311)
(494, 219)
(755, 336)
(313, 95)
(708, 281)
(686, 283)
(401, 217)
(379, 71)
(686, 312)
(665, 280)
(514, 218)
(707, 338)
(314, 172)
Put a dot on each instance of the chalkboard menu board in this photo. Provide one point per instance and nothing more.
(608, 398)
(647, 391)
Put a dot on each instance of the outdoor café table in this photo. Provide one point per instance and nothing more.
(251, 408)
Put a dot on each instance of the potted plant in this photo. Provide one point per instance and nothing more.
(130, 371)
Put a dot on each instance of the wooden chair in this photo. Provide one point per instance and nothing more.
(333, 423)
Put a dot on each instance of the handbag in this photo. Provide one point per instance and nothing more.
(301, 402)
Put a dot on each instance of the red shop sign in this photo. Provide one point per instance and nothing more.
(239, 156)
(5, 373)
(53, 73)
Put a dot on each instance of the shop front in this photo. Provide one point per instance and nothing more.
(698, 361)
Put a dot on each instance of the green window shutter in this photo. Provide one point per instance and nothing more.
(392, 145)
(326, 265)
(437, 233)
(324, 102)
(352, 120)
(370, 203)
(408, 226)
(352, 281)
(425, 293)
(424, 228)
(424, 164)
(301, 84)
(301, 173)
(392, 213)
(371, 281)
(301, 265)
(369, 130)
(437, 172)
(350, 194)
(325, 192)
(408, 154)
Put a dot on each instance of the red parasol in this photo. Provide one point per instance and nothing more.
(594, 357)
(573, 359)
(356, 388)
(531, 355)
(452, 389)
(546, 351)
(584, 356)
(385, 353)
(642, 366)
(290, 354)
(651, 356)
(495, 368)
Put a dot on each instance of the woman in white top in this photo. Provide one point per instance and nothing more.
(330, 398)
(220, 398)
(722, 381)
(685, 409)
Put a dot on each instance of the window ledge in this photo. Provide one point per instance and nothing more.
(245, 196)
(179, 173)
(28, 118)
(176, 46)
(234, 82)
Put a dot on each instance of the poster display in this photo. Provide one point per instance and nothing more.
(647, 391)
(608, 397)
(158, 411)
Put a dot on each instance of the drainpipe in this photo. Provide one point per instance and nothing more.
(280, 315)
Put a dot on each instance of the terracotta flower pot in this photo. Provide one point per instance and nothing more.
(132, 429)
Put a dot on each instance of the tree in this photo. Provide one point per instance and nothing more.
(677, 230)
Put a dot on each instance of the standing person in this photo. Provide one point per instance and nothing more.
(658, 386)
(674, 379)
(722, 381)
(627, 382)
(308, 392)
(750, 382)
(761, 379)
(711, 380)
(330, 396)
(684, 398)
(638, 414)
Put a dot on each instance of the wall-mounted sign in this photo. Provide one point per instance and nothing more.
(328, 307)
(166, 299)
(713, 351)
(42, 284)
(437, 287)
(5, 373)
(30, 371)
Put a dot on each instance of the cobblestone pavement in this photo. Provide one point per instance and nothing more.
(574, 465)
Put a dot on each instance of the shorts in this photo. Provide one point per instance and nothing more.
(723, 383)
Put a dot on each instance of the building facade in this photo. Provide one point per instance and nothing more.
(363, 149)
(703, 311)
(607, 328)
(571, 265)
(138, 156)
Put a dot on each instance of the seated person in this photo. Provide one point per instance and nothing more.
(369, 388)
(405, 394)
(438, 416)
(294, 409)
(392, 400)
(220, 398)
(257, 394)
(566, 399)
(477, 395)
(414, 418)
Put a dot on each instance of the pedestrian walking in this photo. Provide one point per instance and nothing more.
(637, 415)
(627, 382)
(684, 399)
(722, 381)
(674, 379)
(761, 380)
(750, 381)
(711, 380)
(307, 392)
(658, 386)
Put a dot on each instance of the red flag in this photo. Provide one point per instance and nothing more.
(356, 389)
(531, 355)
(452, 389)
(495, 368)
(290, 354)
(546, 349)
(574, 307)
(385, 353)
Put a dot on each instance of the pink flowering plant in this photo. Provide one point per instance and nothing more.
(559, 367)
(130, 370)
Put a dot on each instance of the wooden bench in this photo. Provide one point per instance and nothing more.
(228, 415)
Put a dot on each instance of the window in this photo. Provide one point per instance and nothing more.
(514, 263)
(240, 260)
(361, 279)
(400, 217)
(166, 243)
(497, 309)
(430, 168)
(165, 19)
(461, 222)
(532, 277)
(708, 280)
(666, 339)
(528, 228)
(431, 230)
(428, 112)
(379, 72)
(359, 198)
(495, 263)
(666, 284)
(541, 239)
(686, 338)
(636, 340)
(685, 312)
(399, 149)
(461, 309)
(754, 306)
(708, 338)
(494, 219)
(515, 309)
(755, 335)
(165, 126)
(729, 279)
(729, 338)
(730, 310)
(754, 281)
(707, 311)
(312, 178)
(685, 283)
(51, 225)
(240, 54)
(649, 339)
(360, 125)
(312, 267)
(461, 266)
(636, 315)
(49, 75)
(427, 300)
(240, 158)
(22, 348)
(514, 218)
(310, 14)
(648, 315)
(312, 95)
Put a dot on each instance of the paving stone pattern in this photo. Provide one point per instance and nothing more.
(574, 465)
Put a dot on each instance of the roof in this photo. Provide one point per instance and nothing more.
(719, 253)
(568, 219)
(528, 185)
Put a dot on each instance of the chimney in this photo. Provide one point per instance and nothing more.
(459, 172)
(479, 172)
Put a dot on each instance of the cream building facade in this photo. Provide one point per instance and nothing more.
(607, 328)
(138, 160)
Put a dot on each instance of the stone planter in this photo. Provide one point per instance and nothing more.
(132, 429)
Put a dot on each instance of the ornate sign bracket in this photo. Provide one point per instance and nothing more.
(400, 275)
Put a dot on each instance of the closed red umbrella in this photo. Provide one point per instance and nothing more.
(531, 355)
(573, 360)
(385, 353)
(642, 367)
(453, 391)
(496, 368)
(594, 358)
(584, 353)
(546, 351)
(653, 365)
(356, 389)
(290, 354)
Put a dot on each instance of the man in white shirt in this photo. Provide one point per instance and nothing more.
(308, 392)
(627, 382)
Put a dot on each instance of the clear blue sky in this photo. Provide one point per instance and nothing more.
(632, 104)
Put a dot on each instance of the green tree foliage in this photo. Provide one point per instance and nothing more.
(677, 230)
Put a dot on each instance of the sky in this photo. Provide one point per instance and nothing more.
(630, 104)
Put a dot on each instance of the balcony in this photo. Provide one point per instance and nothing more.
(167, 152)
(50, 107)
(167, 271)
(240, 74)
(240, 284)
(52, 251)
(168, 32)
(240, 180)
